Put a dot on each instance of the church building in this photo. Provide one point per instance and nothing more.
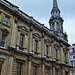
(28, 47)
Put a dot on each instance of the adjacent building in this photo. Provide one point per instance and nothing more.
(72, 58)
(27, 47)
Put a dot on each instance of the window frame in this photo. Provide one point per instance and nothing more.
(53, 26)
(56, 53)
(36, 46)
(6, 20)
(73, 64)
(35, 70)
(57, 25)
(19, 68)
(21, 43)
(47, 50)
(3, 41)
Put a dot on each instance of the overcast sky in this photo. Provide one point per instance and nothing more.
(40, 10)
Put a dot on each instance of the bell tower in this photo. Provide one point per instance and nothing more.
(56, 21)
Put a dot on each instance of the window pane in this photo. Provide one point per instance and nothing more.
(6, 21)
(3, 37)
(57, 25)
(56, 54)
(71, 51)
(19, 69)
(0, 68)
(46, 49)
(21, 40)
(35, 71)
(3, 40)
(36, 42)
(53, 26)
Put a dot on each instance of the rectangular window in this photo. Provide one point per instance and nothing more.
(47, 50)
(35, 71)
(21, 40)
(0, 68)
(3, 40)
(20, 69)
(6, 20)
(66, 73)
(74, 65)
(47, 71)
(56, 72)
(71, 51)
(65, 56)
(36, 44)
(56, 53)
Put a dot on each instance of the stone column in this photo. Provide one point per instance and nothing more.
(14, 33)
(44, 49)
(58, 55)
(2, 17)
(54, 53)
(50, 51)
(68, 58)
(18, 40)
(33, 45)
(25, 45)
(42, 46)
(7, 41)
(55, 26)
(63, 72)
(39, 48)
(53, 70)
(10, 66)
(43, 69)
(3, 68)
(0, 36)
(30, 41)
(29, 68)
(61, 54)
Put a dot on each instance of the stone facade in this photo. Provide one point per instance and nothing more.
(27, 47)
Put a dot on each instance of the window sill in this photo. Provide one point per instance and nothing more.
(3, 48)
(48, 56)
(5, 25)
(36, 52)
(21, 48)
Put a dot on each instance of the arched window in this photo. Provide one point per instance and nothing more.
(56, 12)
(53, 26)
(57, 25)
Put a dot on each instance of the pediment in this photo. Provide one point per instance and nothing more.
(36, 35)
(47, 41)
(22, 29)
(5, 31)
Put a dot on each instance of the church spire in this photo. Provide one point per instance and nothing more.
(55, 5)
(55, 10)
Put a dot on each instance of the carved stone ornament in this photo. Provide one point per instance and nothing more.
(47, 41)
(36, 35)
(5, 31)
(23, 29)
